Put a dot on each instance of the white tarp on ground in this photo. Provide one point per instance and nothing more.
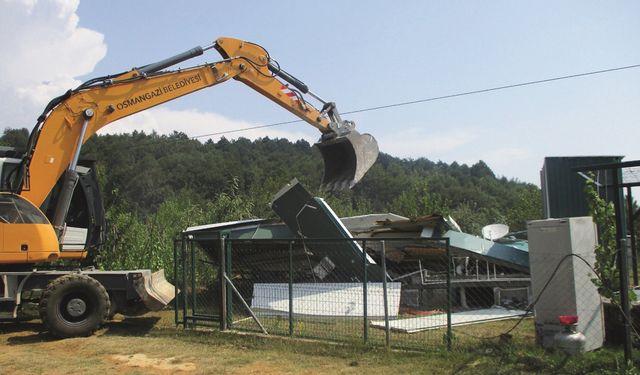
(326, 299)
(436, 321)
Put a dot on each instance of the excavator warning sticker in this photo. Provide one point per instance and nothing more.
(160, 91)
(285, 90)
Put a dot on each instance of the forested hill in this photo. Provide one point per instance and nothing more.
(141, 172)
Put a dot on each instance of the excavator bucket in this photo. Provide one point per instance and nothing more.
(346, 159)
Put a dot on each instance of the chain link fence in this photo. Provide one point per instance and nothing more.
(415, 293)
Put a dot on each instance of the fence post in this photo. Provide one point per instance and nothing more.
(184, 285)
(449, 295)
(365, 304)
(223, 286)
(387, 332)
(193, 282)
(290, 288)
(623, 266)
(229, 271)
(175, 280)
(632, 237)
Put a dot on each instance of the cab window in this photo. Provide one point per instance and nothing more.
(16, 210)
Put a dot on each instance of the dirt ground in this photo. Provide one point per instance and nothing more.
(151, 345)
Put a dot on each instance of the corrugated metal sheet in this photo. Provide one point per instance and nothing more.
(256, 229)
(438, 321)
(325, 299)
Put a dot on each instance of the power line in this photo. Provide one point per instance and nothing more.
(244, 129)
(474, 92)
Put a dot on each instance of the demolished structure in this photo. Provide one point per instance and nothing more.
(334, 252)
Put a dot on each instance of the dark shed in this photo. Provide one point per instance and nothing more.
(563, 188)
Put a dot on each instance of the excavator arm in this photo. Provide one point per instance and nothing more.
(70, 120)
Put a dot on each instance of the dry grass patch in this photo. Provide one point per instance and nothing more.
(153, 345)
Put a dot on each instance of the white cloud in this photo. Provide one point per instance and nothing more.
(505, 157)
(466, 146)
(417, 142)
(510, 161)
(43, 55)
(163, 120)
(46, 51)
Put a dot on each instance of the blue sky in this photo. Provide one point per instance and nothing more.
(361, 54)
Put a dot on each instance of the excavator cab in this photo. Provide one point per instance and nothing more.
(26, 234)
(346, 158)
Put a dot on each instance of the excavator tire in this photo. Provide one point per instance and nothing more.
(74, 305)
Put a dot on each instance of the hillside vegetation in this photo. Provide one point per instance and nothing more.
(156, 185)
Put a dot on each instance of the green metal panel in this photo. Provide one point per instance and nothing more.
(509, 256)
(312, 218)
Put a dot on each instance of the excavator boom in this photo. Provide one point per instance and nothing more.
(72, 119)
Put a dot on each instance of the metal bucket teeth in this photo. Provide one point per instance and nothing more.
(346, 159)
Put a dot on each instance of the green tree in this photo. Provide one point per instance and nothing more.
(525, 205)
(419, 200)
(134, 242)
(603, 213)
(16, 138)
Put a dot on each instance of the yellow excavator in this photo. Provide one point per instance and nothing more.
(42, 184)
